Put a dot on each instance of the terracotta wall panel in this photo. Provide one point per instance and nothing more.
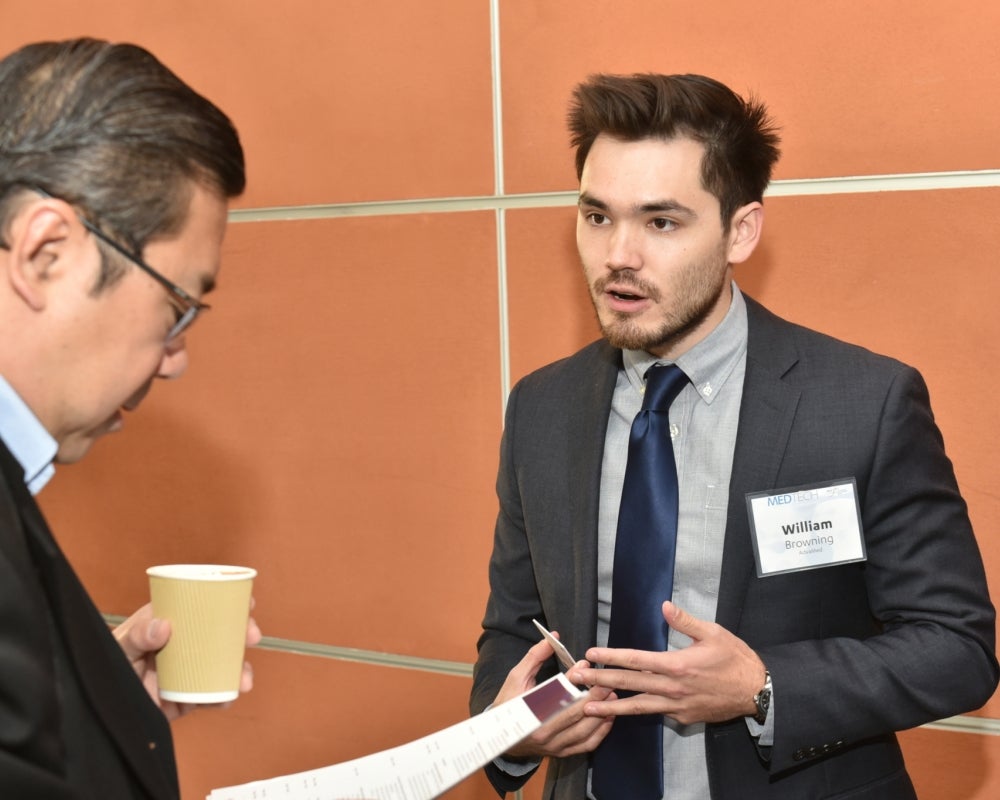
(549, 306)
(336, 102)
(859, 87)
(952, 766)
(337, 429)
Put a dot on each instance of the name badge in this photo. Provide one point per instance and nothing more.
(806, 527)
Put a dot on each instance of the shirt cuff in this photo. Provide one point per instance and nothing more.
(516, 769)
(764, 734)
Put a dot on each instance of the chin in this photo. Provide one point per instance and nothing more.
(72, 451)
(627, 335)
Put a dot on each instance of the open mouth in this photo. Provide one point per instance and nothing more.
(627, 296)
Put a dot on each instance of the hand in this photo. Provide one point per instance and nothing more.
(142, 635)
(712, 680)
(567, 733)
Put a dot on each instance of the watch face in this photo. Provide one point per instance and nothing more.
(763, 701)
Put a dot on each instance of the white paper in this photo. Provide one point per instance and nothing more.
(426, 767)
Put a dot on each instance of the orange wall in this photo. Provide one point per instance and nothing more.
(338, 428)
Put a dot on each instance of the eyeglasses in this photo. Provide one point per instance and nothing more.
(186, 307)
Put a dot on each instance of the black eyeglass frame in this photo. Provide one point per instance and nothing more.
(188, 306)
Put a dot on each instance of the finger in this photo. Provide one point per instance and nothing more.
(143, 614)
(582, 737)
(537, 654)
(624, 658)
(522, 676)
(683, 622)
(629, 680)
(629, 706)
(142, 634)
(246, 679)
(253, 633)
(568, 733)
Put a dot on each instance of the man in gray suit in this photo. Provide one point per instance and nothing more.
(827, 588)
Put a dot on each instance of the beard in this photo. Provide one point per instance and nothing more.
(692, 299)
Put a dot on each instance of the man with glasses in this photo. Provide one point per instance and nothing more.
(115, 179)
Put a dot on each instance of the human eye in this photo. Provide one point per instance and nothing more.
(662, 224)
(596, 218)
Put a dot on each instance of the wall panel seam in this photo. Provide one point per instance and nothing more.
(798, 187)
(503, 318)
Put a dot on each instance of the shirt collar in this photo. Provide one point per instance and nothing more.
(26, 438)
(710, 362)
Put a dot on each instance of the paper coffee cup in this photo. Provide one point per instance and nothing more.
(208, 606)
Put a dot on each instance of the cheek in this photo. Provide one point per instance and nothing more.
(590, 257)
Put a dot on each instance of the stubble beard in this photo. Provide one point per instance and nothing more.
(695, 298)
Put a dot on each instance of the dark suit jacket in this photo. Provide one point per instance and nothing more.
(75, 721)
(856, 651)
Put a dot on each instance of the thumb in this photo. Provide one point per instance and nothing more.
(683, 622)
(142, 634)
(537, 654)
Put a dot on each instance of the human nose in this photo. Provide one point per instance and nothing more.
(175, 359)
(623, 249)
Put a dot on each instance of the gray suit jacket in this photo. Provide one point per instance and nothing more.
(856, 651)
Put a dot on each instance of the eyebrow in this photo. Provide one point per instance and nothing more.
(657, 206)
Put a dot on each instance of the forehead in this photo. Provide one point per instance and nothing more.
(645, 170)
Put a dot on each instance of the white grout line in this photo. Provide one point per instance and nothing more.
(865, 184)
(501, 218)
(799, 187)
(981, 725)
(371, 657)
(496, 85)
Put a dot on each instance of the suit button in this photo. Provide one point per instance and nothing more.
(798, 755)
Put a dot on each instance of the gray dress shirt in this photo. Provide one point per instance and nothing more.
(703, 422)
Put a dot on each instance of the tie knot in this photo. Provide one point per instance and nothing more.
(663, 383)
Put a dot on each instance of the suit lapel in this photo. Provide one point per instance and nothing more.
(139, 731)
(766, 415)
(591, 404)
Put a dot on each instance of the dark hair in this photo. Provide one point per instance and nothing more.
(112, 131)
(741, 142)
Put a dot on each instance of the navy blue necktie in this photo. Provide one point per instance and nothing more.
(629, 762)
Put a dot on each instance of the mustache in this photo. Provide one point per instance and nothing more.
(627, 279)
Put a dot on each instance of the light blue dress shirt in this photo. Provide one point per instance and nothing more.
(26, 438)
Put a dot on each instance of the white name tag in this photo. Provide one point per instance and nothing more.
(806, 527)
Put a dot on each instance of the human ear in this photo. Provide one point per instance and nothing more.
(745, 231)
(42, 236)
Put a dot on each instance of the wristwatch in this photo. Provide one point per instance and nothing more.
(763, 699)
